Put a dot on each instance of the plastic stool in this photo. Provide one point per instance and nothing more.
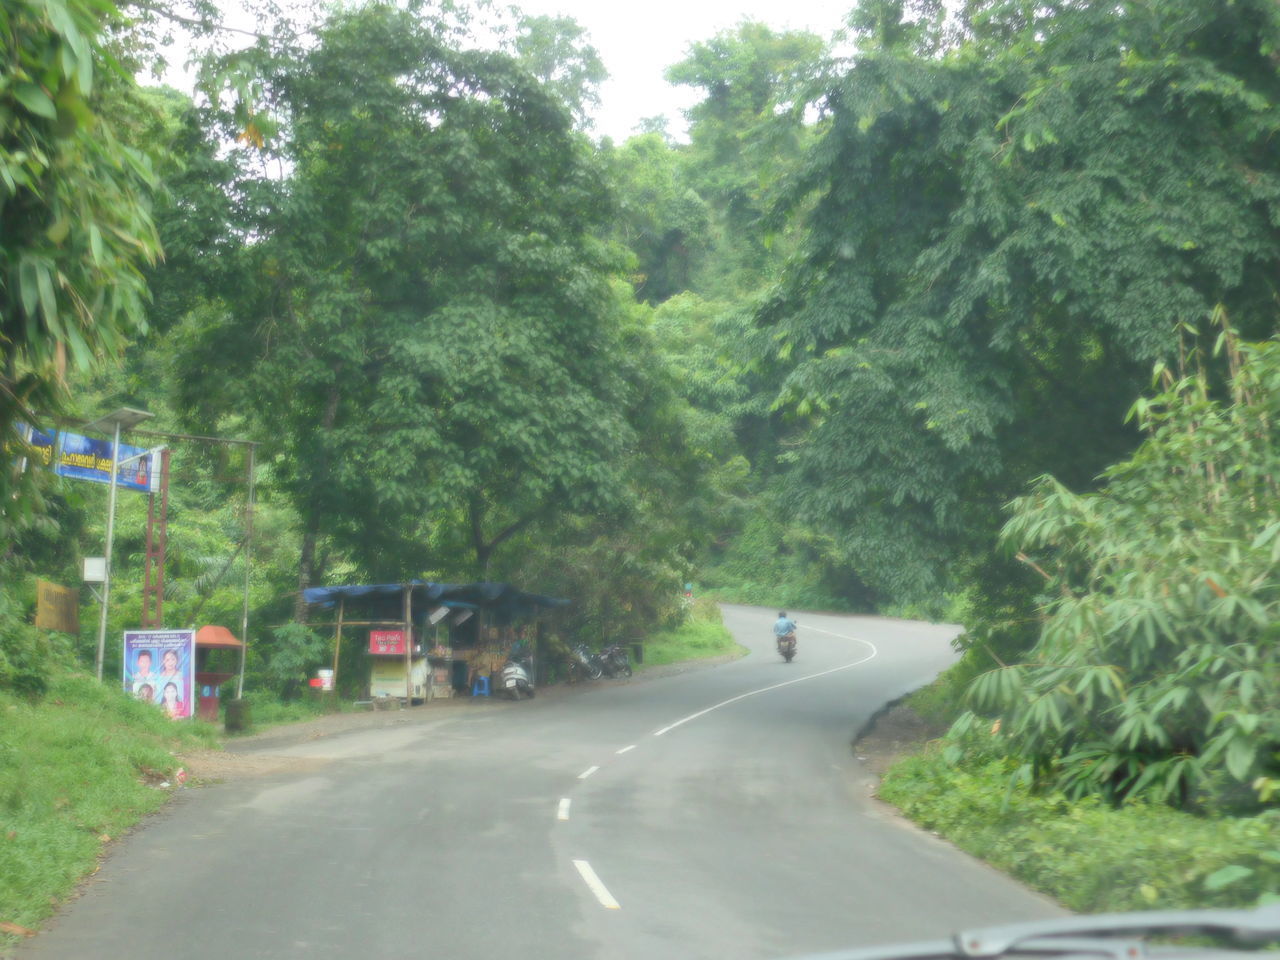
(481, 687)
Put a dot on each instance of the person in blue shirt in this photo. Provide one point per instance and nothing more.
(783, 626)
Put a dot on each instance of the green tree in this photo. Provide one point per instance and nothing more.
(429, 331)
(748, 136)
(554, 50)
(195, 211)
(661, 217)
(623, 567)
(1007, 233)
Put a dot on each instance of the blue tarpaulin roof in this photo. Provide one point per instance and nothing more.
(506, 600)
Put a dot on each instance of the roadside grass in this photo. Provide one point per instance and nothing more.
(78, 767)
(266, 712)
(1089, 856)
(702, 636)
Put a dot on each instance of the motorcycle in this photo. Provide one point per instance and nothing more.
(787, 646)
(587, 662)
(517, 677)
(616, 661)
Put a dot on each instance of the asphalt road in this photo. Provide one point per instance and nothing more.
(716, 813)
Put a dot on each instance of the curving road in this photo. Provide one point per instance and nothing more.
(716, 813)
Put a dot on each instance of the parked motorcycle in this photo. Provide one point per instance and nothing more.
(787, 646)
(517, 677)
(615, 660)
(587, 661)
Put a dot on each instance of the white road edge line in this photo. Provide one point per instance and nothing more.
(625, 750)
(587, 772)
(875, 652)
(595, 886)
(562, 813)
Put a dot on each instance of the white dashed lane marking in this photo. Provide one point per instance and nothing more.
(775, 686)
(595, 886)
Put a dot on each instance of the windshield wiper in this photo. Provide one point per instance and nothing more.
(1114, 936)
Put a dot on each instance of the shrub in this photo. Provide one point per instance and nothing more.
(296, 651)
(1156, 669)
(29, 656)
(1085, 853)
(693, 640)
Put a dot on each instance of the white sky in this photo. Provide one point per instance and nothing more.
(638, 42)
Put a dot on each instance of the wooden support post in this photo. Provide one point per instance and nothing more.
(337, 642)
(408, 645)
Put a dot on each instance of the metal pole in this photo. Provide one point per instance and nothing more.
(248, 568)
(106, 566)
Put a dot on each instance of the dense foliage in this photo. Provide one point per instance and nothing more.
(1009, 228)
(75, 217)
(1156, 669)
(432, 331)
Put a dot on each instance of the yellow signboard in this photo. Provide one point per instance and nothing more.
(57, 607)
(386, 678)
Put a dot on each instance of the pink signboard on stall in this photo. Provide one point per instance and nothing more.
(386, 642)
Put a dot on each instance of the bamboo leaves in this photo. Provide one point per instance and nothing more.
(1157, 664)
(75, 217)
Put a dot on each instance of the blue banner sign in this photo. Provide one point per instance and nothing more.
(88, 458)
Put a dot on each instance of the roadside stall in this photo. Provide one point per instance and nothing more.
(209, 639)
(432, 640)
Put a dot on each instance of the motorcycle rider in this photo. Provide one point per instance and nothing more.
(783, 627)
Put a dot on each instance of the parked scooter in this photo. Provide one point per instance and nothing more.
(587, 661)
(615, 660)
(517, 677)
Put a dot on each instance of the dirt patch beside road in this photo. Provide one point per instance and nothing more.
(215, 765)
(895, 733)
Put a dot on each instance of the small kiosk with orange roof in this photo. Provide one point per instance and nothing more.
(208, 639)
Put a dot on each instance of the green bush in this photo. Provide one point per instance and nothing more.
(265, 710)
(1156, 668)
(1086, 854)
(28, 655)
(695, 639)
(296, 653)
(707, 610)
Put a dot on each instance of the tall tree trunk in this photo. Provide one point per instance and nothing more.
(306, 564)
(311, 533)
(483, 549)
